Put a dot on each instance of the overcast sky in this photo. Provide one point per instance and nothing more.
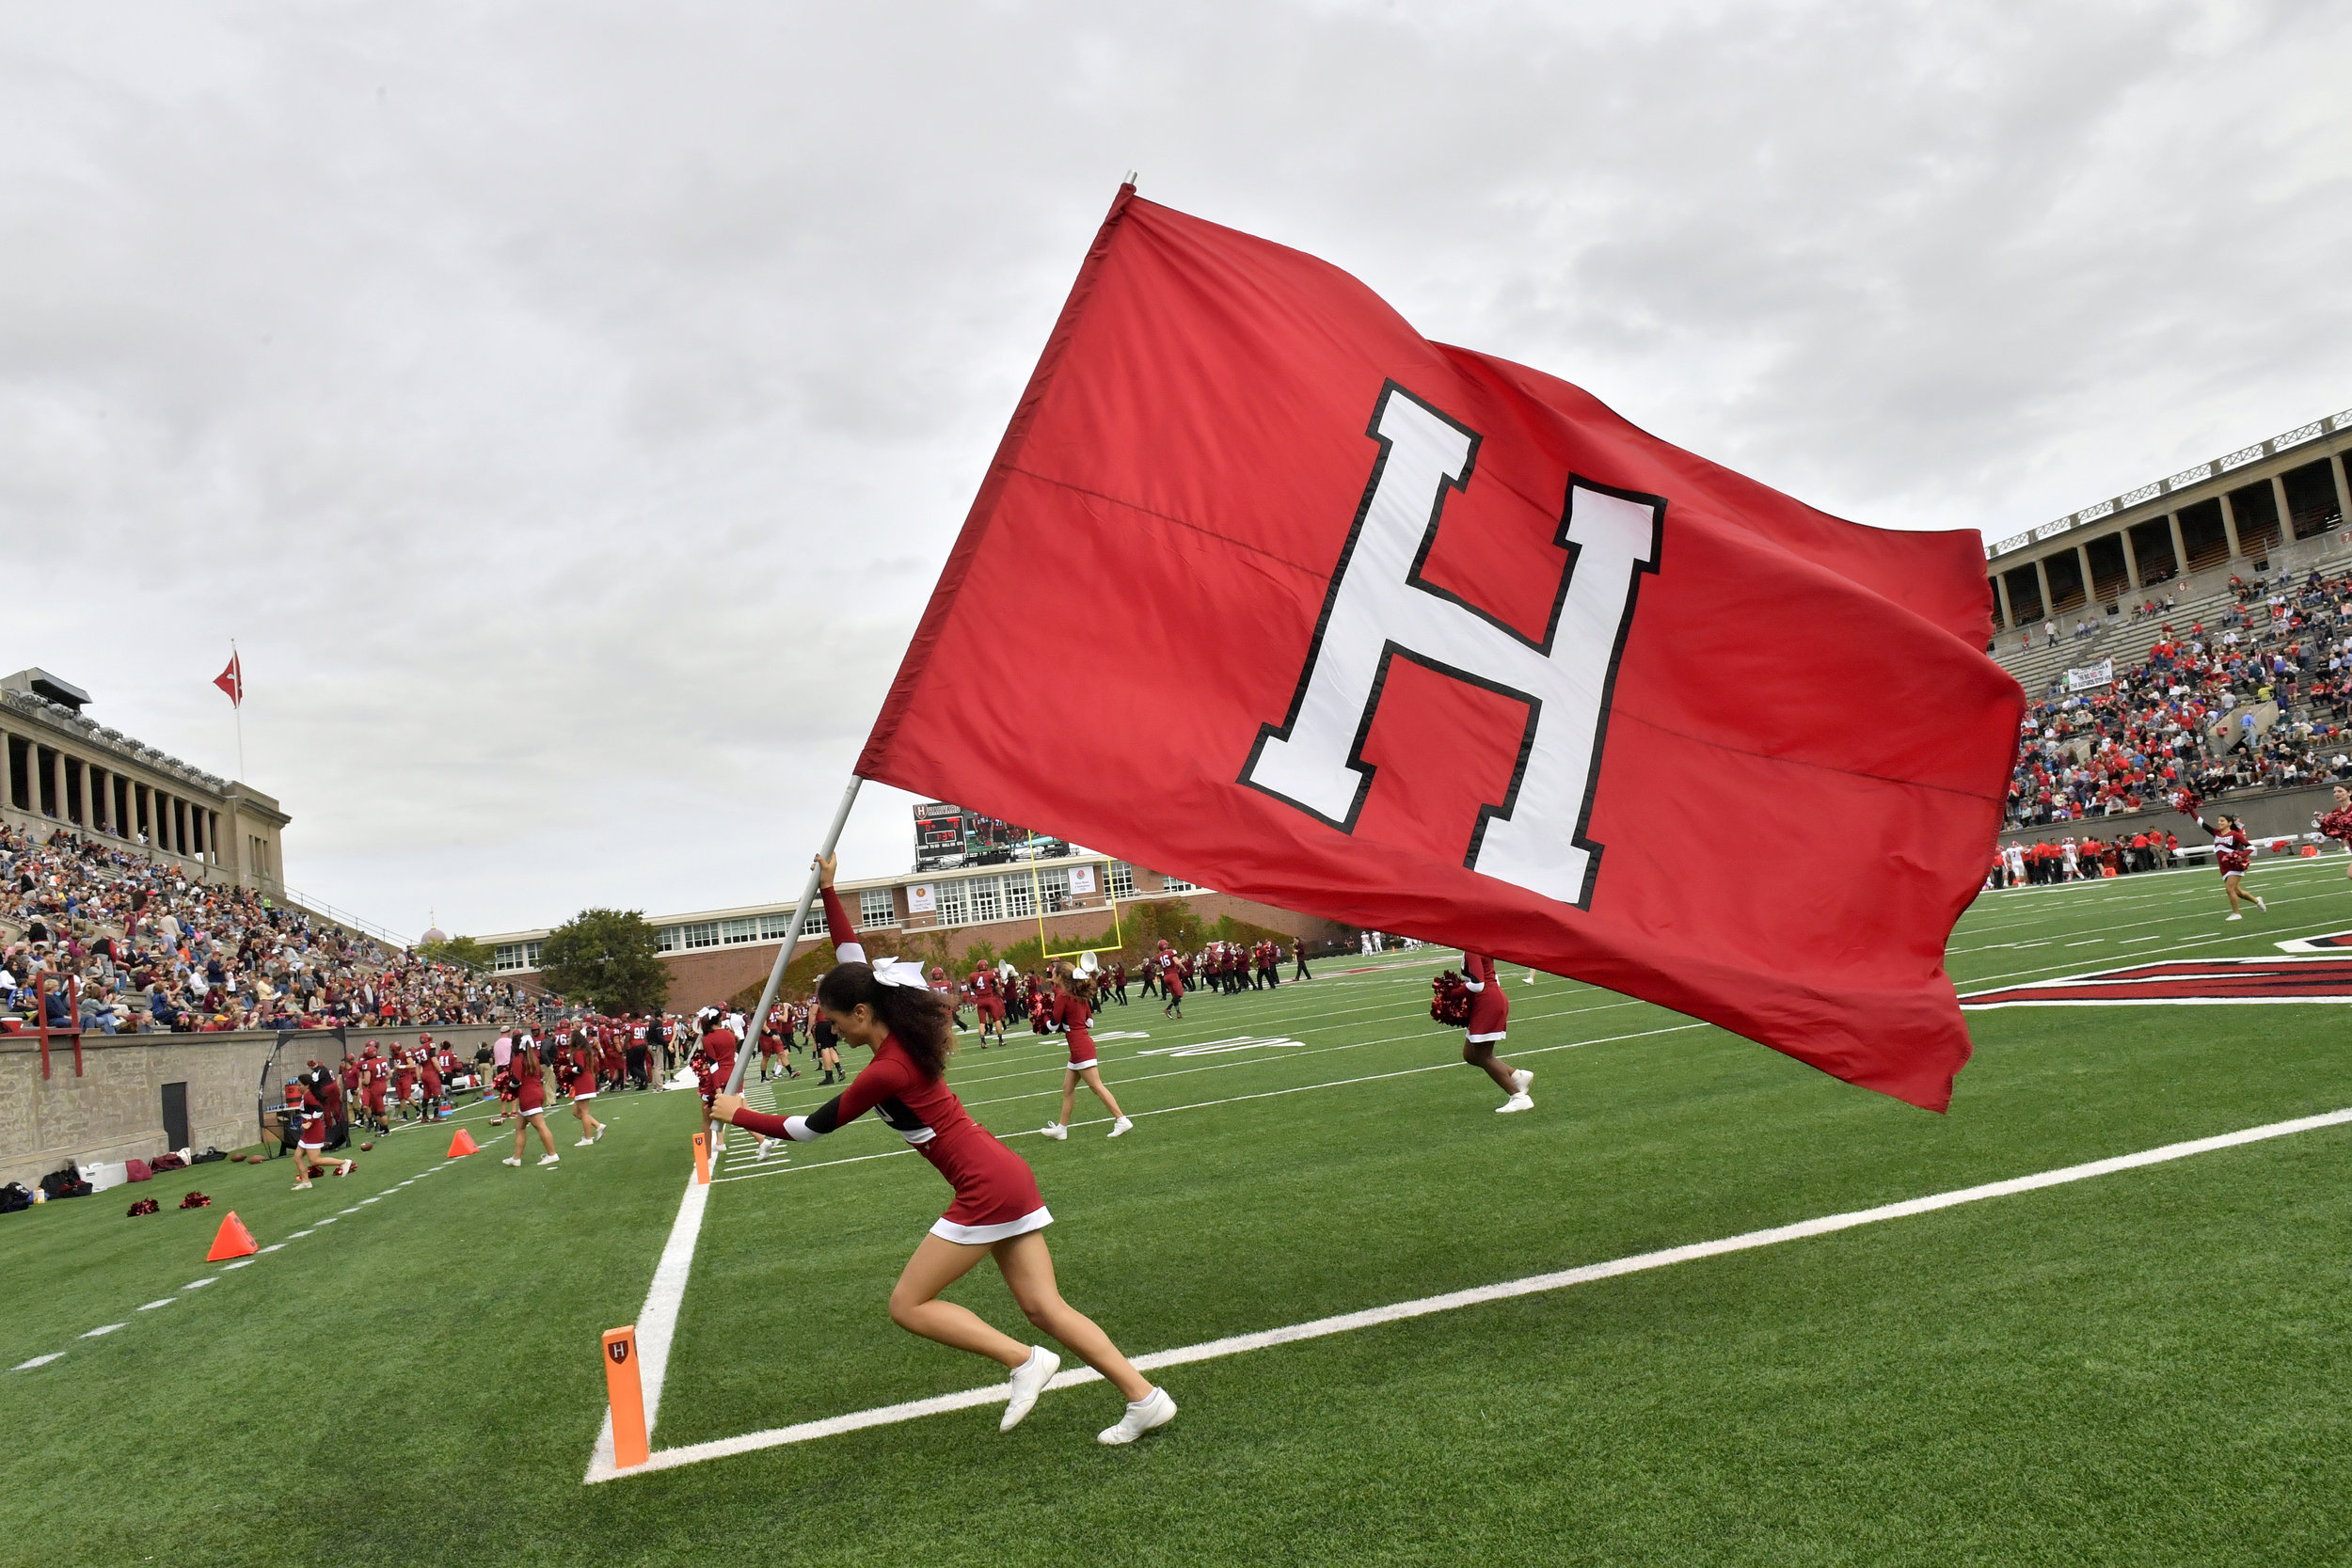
(567, 406)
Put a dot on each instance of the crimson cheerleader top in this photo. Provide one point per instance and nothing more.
(922, 1110)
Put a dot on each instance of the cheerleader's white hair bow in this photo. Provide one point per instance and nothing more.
(900, 972)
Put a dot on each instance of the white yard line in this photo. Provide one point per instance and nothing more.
(600, 1467)
(657, 1320)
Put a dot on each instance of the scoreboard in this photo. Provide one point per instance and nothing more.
(946, 835)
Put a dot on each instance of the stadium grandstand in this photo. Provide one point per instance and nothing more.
(2192, 634)
(142, 895)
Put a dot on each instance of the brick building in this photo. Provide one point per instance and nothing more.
(1071, 901)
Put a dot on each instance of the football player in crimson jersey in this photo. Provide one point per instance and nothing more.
(2337, 824)
(1073, 1005)
(988, 1001)
(998, 1212)
(376, 1073)
(1490, 1020)
(1171, 980)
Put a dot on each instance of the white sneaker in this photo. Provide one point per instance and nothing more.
(512, 1160)
(1124, 1124)
(764, 1144)
(1155, 1409)
(599, 1131)
(1055, 1131)
(583, 1143)
(2260, 905)
(1029, 1381)
(1520, 1079)
(1516, 1102)
(346, 1167)
(549, 1158)
(302, 1186)
(2233, 917)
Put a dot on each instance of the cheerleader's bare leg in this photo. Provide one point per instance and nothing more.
(1481, 1054)
(1028, 1269)
(1093, 1081)
(916, 1306)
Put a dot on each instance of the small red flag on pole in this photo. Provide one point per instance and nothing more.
(231, 680)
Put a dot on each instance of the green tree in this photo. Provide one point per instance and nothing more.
(457, 950)
(610, 958)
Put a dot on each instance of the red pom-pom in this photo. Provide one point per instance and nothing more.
(1450, 1000)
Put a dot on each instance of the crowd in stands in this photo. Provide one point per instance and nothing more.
(2196, 712)
(146, 947)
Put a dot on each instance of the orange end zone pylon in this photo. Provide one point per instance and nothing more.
(232, 1240)
(701, 1159)
(463, 1144)
(627, 1394)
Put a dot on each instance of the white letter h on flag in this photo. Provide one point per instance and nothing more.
(1379, 608)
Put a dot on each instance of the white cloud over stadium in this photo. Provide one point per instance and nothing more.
(568, 409)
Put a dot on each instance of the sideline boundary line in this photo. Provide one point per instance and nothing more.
(657, 1320)
(600, 1467)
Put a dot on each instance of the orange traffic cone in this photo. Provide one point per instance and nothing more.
(232, 1240)
(463, 1144)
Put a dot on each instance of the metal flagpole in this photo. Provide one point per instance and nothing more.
(237, 664)
(791, 939)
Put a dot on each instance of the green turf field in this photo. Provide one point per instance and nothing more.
(2148, 1367)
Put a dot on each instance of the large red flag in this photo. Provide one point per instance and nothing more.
(1421, 639)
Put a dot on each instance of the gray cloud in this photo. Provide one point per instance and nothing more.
(567, 408)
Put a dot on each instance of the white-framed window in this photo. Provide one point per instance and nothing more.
(670, 938)
(1053, 888)
(987, 898)
(1122, 879)
(701, 933)
(815, 924)
(775, 924)
(1019, 898)
(512, 957)
(954, 909)
(745, 929)
(1178, 885)
(875, 908)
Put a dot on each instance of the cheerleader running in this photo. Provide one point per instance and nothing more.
(531, 1100)
(1490, 1020)
(2337, 824)
(2233, 853)
(311, 1149)
(998, 1210)
(1072, 1007)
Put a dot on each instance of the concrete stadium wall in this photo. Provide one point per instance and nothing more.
(2278, 811)
(114, 1109)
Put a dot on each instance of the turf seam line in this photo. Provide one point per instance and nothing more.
(600, 1467)
(1234, 1099)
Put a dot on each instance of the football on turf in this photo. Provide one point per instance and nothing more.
(364, 1147)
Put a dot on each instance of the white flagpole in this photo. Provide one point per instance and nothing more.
(791, 941)
(238, 665)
